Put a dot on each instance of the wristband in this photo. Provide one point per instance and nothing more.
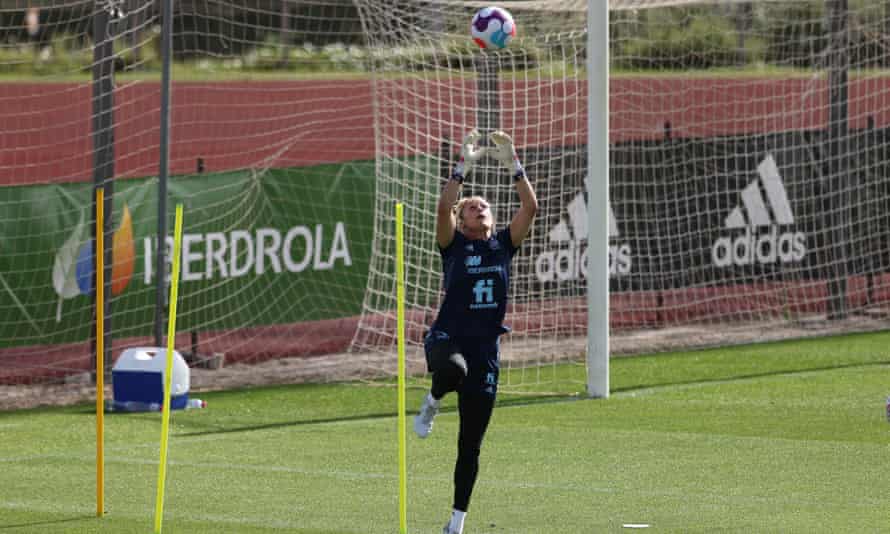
(520, 173)
(459, 172)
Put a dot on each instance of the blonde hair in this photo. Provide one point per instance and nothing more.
(459, 209)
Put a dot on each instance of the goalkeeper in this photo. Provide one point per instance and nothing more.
(462, 346)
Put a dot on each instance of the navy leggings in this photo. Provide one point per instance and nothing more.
(476, 397)
(475, 412)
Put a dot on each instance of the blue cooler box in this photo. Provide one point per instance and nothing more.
(138, 377)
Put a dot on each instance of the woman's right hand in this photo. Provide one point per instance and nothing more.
(470, 153)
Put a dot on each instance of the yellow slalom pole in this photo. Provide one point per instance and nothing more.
(168, 374)
(100, 352)
(400, 307)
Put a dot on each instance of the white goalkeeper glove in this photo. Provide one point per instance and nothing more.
(469, 155)
(504, 151)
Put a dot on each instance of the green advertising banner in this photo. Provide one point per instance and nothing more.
(259, 248)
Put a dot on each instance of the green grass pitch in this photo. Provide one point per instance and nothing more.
(786, 437)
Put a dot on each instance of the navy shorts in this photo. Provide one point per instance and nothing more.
(481, 354)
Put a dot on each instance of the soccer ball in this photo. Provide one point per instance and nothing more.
(493, 28)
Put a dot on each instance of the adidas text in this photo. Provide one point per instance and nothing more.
(764, 248)
(571, 263)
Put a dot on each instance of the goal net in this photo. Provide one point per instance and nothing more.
(747, 182)
(748, 196)
(271, 152)
(432, 85)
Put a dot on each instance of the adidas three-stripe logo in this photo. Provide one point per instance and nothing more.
(763, 248)
(753, 200)
(577, 210)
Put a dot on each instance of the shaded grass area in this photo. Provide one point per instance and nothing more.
(783, 437)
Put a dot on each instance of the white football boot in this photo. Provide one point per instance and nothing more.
(423, 421)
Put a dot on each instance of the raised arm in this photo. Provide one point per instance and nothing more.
(446, 220)
(522, 220)
(505, 152)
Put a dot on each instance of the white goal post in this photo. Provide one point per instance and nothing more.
(598, 194)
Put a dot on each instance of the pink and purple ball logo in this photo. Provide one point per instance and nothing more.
(493, 28)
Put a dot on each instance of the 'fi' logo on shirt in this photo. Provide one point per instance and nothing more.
(483, 291)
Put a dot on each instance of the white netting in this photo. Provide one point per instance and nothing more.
(432, 85)
(271, 152)
(743, 207)
(748, 196)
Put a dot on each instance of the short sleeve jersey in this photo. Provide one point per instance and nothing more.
(476, 279)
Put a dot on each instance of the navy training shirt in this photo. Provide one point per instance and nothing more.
(476, 278)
